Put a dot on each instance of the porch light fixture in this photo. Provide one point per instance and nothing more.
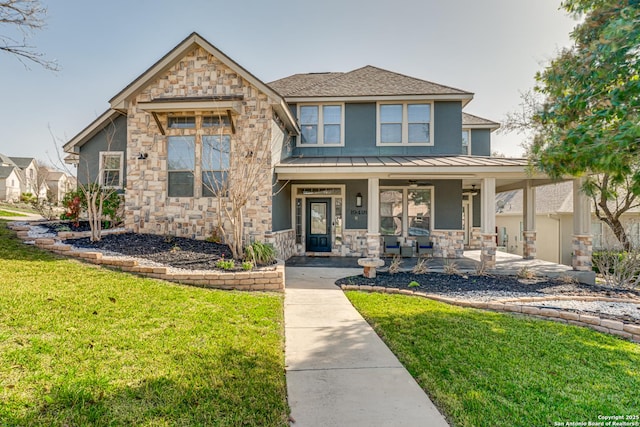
(358, 200)
(143, 156)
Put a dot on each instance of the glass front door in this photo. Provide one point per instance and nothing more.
(318, 225)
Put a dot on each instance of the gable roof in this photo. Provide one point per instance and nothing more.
(22, 162)
(102, 121)
(368, 81)
(475, 122)
(5, 172)
(120, 101)
(6, 160)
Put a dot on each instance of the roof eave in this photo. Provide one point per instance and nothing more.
(464, 98)
(90, 131)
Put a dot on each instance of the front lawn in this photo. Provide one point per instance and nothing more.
(9, 213)
(81, 345)
(483, 368)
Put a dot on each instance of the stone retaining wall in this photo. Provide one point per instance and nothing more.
(264, 279)
(613, 327)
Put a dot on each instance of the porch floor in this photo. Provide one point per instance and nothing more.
(506, 263)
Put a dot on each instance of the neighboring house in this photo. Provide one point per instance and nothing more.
(352, 156)
(554, 223)
(59, 184)
(10, 183)
(32, 184)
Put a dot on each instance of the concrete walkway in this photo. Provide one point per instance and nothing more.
(339, 372)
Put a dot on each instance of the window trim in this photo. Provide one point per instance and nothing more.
(101, 169)
(405, 205)
(321, 123)
(405, 125)
(468, 130)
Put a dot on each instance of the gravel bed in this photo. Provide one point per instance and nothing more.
(626, 311)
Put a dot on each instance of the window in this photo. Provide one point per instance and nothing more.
(596, 234)
(215, 121)
(419, 212)
(466, 142)
(181, 122)
(111, 165)
(404, 124)
(181, 165)
(321, 124)
(215, 163)
(405, 211)
(391, 212)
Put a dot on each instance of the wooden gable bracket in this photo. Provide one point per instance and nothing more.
(233, 127)
(155, 117)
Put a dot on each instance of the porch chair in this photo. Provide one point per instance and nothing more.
(391, 245)
(424, 246)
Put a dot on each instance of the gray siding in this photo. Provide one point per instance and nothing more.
(112, 138)
(356, 217)
(281, 208)
(477, 211)
(480, 142)
(360, 134)
(448, 205)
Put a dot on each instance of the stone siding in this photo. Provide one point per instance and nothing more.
(582, 252)
(448, 243)
(529, 245)
(488, 250)
(475, 240)
(148, 209)
(284, 243)
(354, 243)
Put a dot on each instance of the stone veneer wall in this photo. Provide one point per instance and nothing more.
(582, 252)
(475, 240)
(529, 245)
(148, 209)
(488, 250)
(354, 243)
(448, 243)
(284, 243)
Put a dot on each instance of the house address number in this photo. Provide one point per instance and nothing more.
(358, 211)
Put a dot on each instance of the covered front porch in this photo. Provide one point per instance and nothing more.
(354, 206)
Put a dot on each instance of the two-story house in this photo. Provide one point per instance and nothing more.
(351, 157)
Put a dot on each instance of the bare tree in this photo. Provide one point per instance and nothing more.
(25, 16)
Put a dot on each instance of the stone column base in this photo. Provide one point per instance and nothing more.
(488, 250)
(529, 245)
(373, 245)
(582, 251)
(448, 243)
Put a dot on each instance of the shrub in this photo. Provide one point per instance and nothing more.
(394, 267)
(260, 253)
(421, 267)
(247, 265)
(414, 284)
(224, 264)
(72, 204)
(526, 273)
(450, 267)
(619, 269)
(27, 198)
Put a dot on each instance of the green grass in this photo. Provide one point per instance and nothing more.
(8, 213)
(81, 345)
(18, 207)
(491, 369)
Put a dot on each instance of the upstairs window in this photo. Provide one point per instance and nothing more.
(466, 141)
(221, 120)
(321, 124)
(111, 165)
(405, 124)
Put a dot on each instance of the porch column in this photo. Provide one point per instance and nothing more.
(373, 218)
(529, 221)
(582, 244)
(488, 234)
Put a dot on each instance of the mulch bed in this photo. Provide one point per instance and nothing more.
(442, 283)
(177, 252)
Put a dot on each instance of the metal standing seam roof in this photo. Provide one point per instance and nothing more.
(365, 81)
(403, 161)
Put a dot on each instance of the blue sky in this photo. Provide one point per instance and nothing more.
(491, 48)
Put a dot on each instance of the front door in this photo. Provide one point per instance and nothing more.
(318, 225)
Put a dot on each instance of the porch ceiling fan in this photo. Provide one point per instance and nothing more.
(471, 192)
(415, 183)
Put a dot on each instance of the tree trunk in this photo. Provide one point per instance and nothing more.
(620, 233)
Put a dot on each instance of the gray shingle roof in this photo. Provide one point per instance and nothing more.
(365, 81)
(6, 160)
(5, 171)
(471, 120)
(22, 162)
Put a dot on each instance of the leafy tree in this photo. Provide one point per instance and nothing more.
(588, 120)
(23, 17)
